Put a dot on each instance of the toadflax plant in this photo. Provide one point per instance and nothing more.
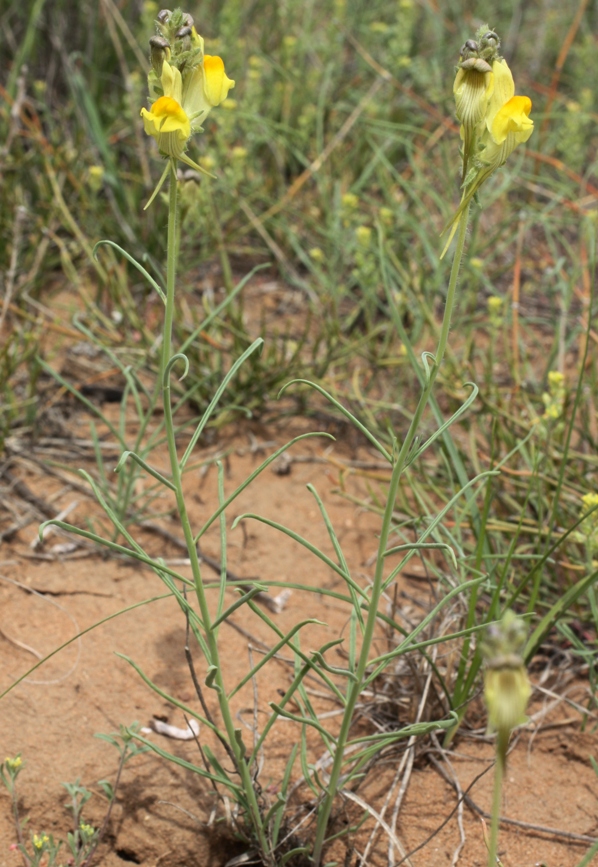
(184, 85)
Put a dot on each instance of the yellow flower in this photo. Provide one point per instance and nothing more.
(363, 235)
(554, 399)
(496, 131)
(507, 118)
(13, 764)
(556, 378)
(349, 201)
(182, 109)
(40, 841)
(506, 692)
(590, 501)
(216, 83)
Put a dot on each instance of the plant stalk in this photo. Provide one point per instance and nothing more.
(236, 748)
(499, 770)
(368, 636)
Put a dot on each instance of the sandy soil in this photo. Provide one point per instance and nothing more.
(160, 817)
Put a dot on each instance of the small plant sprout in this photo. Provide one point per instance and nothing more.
(83, 841)
(506, 691)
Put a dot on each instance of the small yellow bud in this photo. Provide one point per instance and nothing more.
(239, 153)
(316, 254)
(404, 60)
(589, 501)
(495, 303)
(554, 398)
(476, 263)
(207, 162)
(349, 201)
(363, 235)
(555, 378)
(95, 176)
(386, 216)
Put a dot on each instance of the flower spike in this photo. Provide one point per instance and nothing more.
(493, 120)
(184, 85)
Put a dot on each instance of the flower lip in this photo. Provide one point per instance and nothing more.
(168, 115)
(513, 117)
(475, 63)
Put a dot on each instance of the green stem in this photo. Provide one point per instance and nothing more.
(499, 770)
(368, 636)
(234, 746)
(171, 261)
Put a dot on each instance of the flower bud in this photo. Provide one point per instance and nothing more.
(159, 52)
(506, 684)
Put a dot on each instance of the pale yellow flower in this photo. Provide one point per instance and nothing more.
(507, 118)
(506, 685)
(506, 691)
(494, 122)
(181, 110)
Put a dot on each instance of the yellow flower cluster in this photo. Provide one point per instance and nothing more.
(184, 83)
(174, 116)
(554, 398)
(493, 119)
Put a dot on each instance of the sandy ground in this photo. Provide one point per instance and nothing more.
(162, 809)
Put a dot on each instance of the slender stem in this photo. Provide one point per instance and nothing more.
(236, 748)
(14, 802)
(499, 769)
(171, 261)
(368, 635)
(102, 831)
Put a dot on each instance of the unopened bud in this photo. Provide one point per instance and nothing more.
(469, 46)
(163, 16)
(183, 31)
(506, 685)
(159, 52)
